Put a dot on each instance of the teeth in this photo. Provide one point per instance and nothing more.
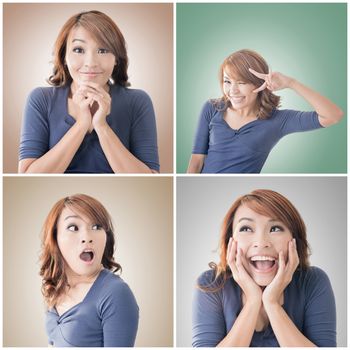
(262, 258)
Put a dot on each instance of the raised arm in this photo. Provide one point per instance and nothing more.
(328, 112)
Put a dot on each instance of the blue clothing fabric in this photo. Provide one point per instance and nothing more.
(245, 150)
(107, 317)
(46, 121)
(308, 300)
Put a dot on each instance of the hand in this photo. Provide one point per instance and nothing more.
(234, 258)
(273, 292)
(99, 95)
(82, 103)
(273, 81)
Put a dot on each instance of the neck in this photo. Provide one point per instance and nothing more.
(74, 279)
(251, 111)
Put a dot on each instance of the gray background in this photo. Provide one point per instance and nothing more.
(202, 204)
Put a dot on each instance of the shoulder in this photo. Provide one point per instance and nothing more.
(210, 108)
(114, 286)
(131, 95)
(46, 92)
(312, 278)
(208, 279)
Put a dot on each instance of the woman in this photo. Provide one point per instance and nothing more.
(87, 304)
(236, 132)
(89, 121)
(263, 292)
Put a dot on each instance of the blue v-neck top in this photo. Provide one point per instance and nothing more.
(107, 317)
(46, 120)
(308, 301)
(245, 150)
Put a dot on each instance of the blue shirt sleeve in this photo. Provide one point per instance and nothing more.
(296, 121)
(120, 316)
(208, 323)
(34, 140)
(201, 141)
(320, 312)
(143, 140)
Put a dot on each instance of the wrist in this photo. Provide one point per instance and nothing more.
(100, 126)
(83, 123)
(291, 84)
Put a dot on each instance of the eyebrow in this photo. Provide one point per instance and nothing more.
(250, 219)
(83, 41)
(72, 216)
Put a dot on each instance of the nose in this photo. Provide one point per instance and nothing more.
(86, 236)
(233, 88)
(262, 240)
(90, 59)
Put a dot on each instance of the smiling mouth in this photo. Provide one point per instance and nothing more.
(263, 263)
(87, 255)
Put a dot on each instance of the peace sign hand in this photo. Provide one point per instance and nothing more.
(273, 81)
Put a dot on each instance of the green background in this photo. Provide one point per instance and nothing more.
(305, 41)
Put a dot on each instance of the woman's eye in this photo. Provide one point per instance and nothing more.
(245, 229)
(103, 51)
(72, 228)
(276, 228)
(227, 82)
(78, 50)
(97, 227)
(241, 83)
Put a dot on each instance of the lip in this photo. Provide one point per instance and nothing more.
(273, 268)
(90, 74)
(88, 250)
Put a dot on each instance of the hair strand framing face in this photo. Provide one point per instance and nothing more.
(52, 268)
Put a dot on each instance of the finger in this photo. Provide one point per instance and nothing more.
(293, 254)
(257, 74)
(281, 265)
(261, 88)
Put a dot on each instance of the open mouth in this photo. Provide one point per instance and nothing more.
(87, 255)
(263, 263)
(237, 99)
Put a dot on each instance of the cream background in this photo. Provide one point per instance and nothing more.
(142, 212)
(29, 33)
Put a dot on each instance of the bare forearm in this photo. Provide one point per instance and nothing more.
(195, 165)
(58, 158)
(241, 333)
(329, 112)
(287, 334)
(120, 159)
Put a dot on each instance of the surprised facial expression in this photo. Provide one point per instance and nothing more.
(81, 242)
(261, 238)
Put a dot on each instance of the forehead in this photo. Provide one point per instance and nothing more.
(80, 34)
(244, 211)
(71, 213)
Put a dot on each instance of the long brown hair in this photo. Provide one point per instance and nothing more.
(268, 203)
(52, 271)
(237, 65)
(105, 32)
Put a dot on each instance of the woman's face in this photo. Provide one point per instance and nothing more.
(86, 59)
(81, 242)
(239, 92)
(261, 238)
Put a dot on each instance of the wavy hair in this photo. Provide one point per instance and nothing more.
(52, 270)
(268, 203)
(237, 66)
(105, 32)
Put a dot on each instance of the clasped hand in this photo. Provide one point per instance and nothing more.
(273, 293)
(94, 103)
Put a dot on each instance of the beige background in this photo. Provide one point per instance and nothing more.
(141, 209)
(29, 33)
